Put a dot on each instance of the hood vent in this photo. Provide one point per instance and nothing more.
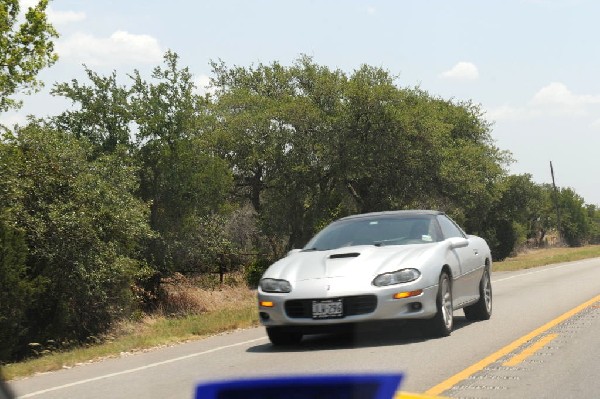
(346, 255)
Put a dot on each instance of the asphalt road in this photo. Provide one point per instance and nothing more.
(530, 348)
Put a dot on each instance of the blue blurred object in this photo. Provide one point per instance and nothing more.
(364, 386)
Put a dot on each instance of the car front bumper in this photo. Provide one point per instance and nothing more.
(272, 307)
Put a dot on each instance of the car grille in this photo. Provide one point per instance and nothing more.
(353, 305)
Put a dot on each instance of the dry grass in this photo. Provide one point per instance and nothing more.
(181, 295)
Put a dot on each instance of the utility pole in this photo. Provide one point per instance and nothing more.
(556, 204)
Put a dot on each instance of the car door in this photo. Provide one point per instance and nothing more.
(465, 284)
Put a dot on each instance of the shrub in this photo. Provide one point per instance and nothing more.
(255, 270)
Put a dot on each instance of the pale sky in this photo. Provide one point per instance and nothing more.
(533, 65)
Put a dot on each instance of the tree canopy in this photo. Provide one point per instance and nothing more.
(25, 49)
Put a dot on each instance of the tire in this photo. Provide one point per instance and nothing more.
(482, 309)
(282, 337)
(442, 323)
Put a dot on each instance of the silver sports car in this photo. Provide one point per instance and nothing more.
(378, 266)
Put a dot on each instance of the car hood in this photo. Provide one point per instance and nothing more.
(355, 262)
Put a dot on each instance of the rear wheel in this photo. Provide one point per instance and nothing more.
(281, 336)
(482, 309)
(442, 323)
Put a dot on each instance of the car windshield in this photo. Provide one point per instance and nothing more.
(375, 231)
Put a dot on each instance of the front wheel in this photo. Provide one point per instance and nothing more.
(442, 323)
(281, 336)
(482, 309)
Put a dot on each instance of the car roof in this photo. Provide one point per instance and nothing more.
(403, 213)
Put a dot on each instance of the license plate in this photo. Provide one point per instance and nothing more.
(327, 309)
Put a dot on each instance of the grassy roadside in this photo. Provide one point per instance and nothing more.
(158, 331)
(542, 257)
(148, 333)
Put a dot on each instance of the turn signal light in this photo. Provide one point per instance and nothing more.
(266, 304)
(402, 295)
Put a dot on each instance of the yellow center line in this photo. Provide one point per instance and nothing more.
(469, 371)
(518, 359)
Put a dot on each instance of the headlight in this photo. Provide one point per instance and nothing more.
(397, 277)
(275, 285)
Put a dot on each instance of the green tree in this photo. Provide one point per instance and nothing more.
(594, 216)
(18, 288)
(275, 124)
(304, 193)
(471, 166)
(378, 148)
(575, 223)
(308, 144)
(83, 228)
(103, 114)
(516, 216)
(181, 175)
(15, 300)
(16, 295)
(252, 133)
(25, 49)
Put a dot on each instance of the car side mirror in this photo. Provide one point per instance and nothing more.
(458, 242)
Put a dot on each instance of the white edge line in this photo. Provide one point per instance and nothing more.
(148, 366)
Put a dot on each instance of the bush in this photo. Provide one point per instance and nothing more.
(501, 238)
(255, 270)
(15, 298)
(75, 235)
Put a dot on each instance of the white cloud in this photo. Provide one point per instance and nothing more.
(25, 4)
(55, 17)
(554, 99)
(557, 95)
(202, 83)
(462, 71)
(371, 10)
(64, 17)
(120, 48)
(9, 120)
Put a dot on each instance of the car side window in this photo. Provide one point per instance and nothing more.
(449, 228)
